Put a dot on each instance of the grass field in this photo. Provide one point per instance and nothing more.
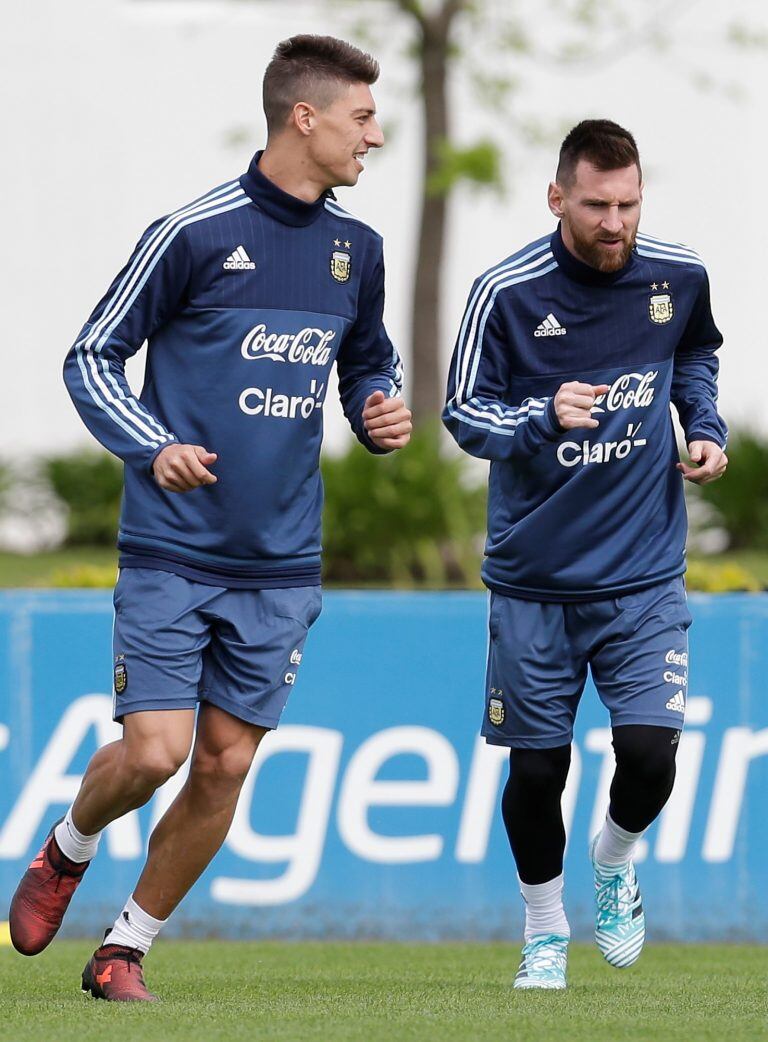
(376, 992)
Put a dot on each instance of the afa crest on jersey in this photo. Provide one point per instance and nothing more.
(660, 308)
(121, 675)
(341, 265)
(496, 712)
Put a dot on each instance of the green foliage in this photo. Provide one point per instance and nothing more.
(493, 90)
(83, 576)
(741, 496)
(721, 577)
(6, 482)
(90, 485)
(745, 36)
(479, 163)
(414, 517)
(409, 518)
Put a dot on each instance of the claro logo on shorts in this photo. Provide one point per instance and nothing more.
(310, 346)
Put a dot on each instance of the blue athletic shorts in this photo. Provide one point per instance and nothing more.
(178, 642)
(636, 646)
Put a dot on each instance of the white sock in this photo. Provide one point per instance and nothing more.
(615, 845)
(134, 928)
(544, 912)
(73, 844)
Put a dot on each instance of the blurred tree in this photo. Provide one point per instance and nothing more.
(487, 46)
(89, 484)
(412, 518)
(741, 498)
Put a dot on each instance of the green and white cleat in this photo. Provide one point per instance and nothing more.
(543, 963)
(619, 918)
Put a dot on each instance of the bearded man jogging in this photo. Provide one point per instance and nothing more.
(568, 356)
(247, 297)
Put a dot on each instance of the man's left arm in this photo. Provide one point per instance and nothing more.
(694, 393)
(371, 373)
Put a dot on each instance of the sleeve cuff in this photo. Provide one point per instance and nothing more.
(705, 436)
(551, 428)
(151, 464)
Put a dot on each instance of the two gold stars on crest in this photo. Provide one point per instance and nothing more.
(664, 285)
(347, 243)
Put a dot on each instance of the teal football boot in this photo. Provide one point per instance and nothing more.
(619, 918)
(543, 963)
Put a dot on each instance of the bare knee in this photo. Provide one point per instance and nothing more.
(153, 767)
(155, 745)
(224, 750)
(226, 767)
(152, 762)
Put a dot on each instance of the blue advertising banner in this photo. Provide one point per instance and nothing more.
(373, 810)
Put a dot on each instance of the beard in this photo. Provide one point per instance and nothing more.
(597, 256)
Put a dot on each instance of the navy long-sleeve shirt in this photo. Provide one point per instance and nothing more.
(585, 513)
(247, 297)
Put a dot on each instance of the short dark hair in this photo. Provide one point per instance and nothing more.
(311, 68)
(603, 143)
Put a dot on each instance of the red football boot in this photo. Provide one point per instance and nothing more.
(115, 973)
(42, 897)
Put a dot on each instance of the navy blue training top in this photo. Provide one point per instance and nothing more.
(246, 296)
(586, 513)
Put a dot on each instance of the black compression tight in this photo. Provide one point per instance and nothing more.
(530, 805)
(645, 774)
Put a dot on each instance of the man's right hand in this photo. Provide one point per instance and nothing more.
(180, 468)
(574, 402)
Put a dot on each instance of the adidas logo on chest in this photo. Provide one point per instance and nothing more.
(550, 327)
(239, 260)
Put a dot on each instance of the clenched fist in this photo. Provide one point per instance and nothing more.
(387, 421)
(710, 462)
(180, 468)
(574, 402)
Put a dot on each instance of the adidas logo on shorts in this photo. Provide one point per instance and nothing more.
(677, 702)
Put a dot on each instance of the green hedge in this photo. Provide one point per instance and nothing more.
(90, 485)
(417, 517)
(741, 496)
(410, 517)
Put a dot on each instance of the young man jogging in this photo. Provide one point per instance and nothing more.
(247, 297)
(568, 356)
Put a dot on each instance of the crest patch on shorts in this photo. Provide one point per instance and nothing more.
(121, 674)
(496, 712)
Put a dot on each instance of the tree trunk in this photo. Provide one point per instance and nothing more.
(427, 381)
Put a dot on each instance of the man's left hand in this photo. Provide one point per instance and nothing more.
(387, 421)
(710, 462)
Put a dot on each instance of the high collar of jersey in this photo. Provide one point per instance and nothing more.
(281, 205)
(581, 272)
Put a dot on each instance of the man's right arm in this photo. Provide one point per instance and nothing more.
(478, 413)
(143, 296)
